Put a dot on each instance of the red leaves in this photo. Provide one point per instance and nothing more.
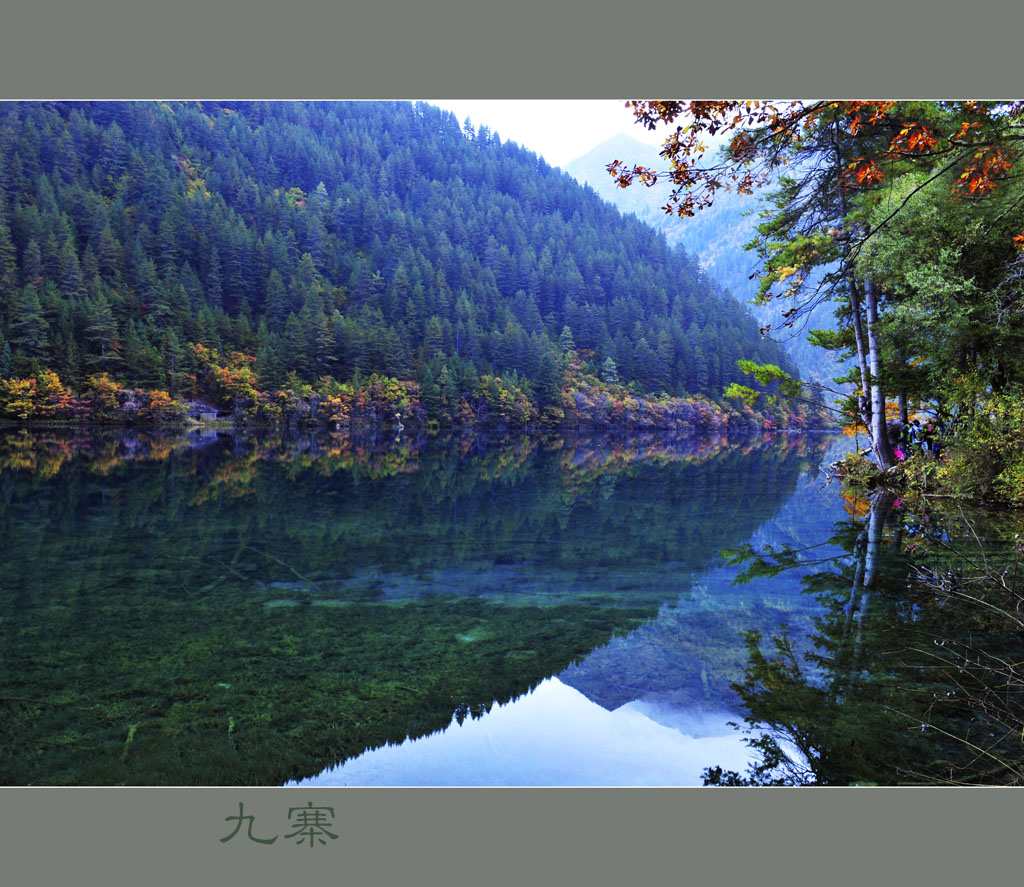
(762, 133)
(624, 177)
(972, 139)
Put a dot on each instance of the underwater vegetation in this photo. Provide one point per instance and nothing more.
(249, 610)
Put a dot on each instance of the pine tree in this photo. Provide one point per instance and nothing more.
(102, 335)
(8, 273)
(70, 273)
(29, 329)
(6, 361)
(548, 384)
(32, 263)
(565, 341)
(609, 371)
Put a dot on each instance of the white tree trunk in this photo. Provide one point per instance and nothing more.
(878, 432)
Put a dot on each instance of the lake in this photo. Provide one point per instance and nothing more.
(228, 609)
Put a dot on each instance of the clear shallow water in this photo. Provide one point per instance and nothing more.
(236, 610)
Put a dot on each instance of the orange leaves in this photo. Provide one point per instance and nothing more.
(1019, 241)
(858, 113)
(742, 148)
(965, 130)
(975, 141)
(862, 172)
(869, 174)
(988, 168)
(879, 112)
(914, 137)
(624, 176)
(921, 140)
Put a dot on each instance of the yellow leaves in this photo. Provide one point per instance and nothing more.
(17, 397)
(104, 389)
(855, 505)
(50, 385)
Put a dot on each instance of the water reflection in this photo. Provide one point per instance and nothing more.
(554, 736)
(227, 609)
(652, 707)
(915, 674)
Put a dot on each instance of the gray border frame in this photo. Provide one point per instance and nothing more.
(318, 49)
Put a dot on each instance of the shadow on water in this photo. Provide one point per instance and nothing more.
(229, 609)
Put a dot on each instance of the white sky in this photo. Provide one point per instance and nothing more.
(560, 130)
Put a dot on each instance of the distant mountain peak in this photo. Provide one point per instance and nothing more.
(620, 146)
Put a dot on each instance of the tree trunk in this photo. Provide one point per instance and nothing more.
(879, 437)
(901, 395)
(863, 402)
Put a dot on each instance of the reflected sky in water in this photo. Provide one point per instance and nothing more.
(554, 736)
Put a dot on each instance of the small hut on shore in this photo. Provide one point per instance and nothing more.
(200, 412)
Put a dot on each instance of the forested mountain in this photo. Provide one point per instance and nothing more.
(333, 239)
(716, 237)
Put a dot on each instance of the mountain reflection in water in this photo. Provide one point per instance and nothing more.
(653, 707)
(554, 736)
(231, 609)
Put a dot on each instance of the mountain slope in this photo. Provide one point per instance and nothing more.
(332, 239)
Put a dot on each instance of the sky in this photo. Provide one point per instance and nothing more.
(559, 130)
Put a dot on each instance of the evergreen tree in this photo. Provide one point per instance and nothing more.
(6, 361)
(609, 371)
(29, 329)
(547, 386)
(101, 334)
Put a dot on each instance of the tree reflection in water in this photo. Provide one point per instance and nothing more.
(916, 672)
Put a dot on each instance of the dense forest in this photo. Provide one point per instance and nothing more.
(223, 250)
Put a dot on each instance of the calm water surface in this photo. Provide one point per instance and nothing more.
(267, 610)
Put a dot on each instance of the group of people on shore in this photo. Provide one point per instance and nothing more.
(927, 436)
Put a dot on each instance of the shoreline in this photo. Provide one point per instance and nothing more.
(429, 428)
